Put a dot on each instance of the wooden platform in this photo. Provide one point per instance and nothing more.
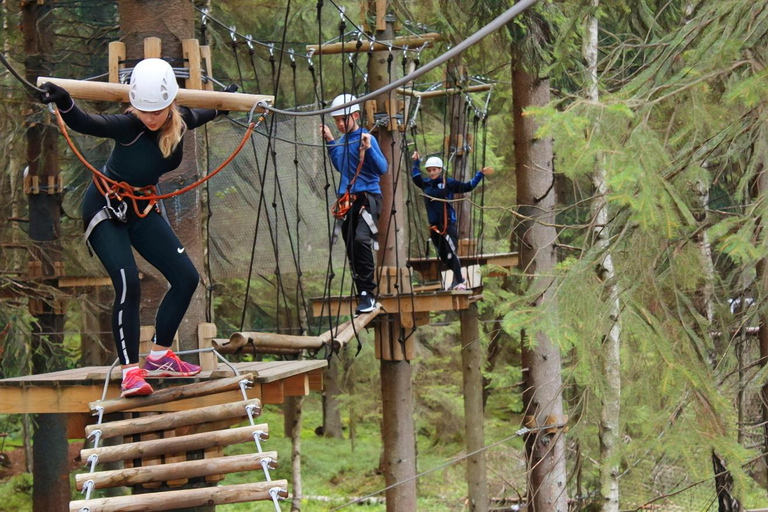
(419, 302)
(70, 391)
(430, 268)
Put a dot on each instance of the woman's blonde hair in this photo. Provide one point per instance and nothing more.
(171, 132)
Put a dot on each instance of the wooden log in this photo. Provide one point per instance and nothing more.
(116, 55)
(378, 46)
(176, 471)
(357, 325)
(223, 346)
(174, 419)
(102, 91)
(162, 396)
(205, 334)
(327, 336)
(268, 339)
(187, 498)
(444, 92)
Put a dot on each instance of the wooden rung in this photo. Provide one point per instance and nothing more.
(187, 498)
(176, 471)
(343, 337)
(174, 419)
(162, 396)
(175, 444)
(224, 346)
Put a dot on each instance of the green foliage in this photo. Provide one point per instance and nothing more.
(16, 494)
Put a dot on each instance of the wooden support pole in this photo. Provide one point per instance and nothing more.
(205, 56)
(116, 56)
(191, 51)
(378, 46)
(205, 334)
(176, 471)
(102, 91)
(153, 48)
(172, 500)
(381, 14)
(174, 420)
(444, 92)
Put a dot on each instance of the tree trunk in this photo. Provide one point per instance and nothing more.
(172, 21)
(331, 415)
(542, 396)
(610, 407)
(49, 457)
(472, 350)
(398, 433)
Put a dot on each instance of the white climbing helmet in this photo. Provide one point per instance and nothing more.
(342, 99)
(153, 85)
(434, 161)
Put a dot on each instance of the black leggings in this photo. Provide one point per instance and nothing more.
(447, 251)
(155, 241)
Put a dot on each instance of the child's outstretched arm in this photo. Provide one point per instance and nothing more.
(416, 172)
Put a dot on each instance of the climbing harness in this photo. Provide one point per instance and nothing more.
(341, 207)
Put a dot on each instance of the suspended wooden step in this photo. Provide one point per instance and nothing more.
(430, 268)
(155, 449)
(271, 343)
(189, 498)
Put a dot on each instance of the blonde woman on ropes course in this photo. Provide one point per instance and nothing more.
(357, 157)
(439, 191)
(147, 145)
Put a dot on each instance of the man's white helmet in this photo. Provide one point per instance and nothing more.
(153, 85)
(342, 99)
(434, 161)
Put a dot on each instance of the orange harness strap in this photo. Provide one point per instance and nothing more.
(120, 189)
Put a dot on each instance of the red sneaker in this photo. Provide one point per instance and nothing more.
(134, 384)
(169, 365)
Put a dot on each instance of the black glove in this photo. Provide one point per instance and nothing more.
(229, 88)
(55, 94)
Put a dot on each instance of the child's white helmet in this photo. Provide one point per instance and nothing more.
(434, 161)
(342, 99)
(153, 85)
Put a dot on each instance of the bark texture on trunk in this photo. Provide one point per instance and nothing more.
(542, 396)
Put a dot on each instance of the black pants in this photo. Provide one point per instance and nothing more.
(155, 241)
(446, 250)
(359, 238)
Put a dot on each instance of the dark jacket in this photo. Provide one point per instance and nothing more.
(440, 188)
(136, 157)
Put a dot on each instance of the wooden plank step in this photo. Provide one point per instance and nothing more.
(174, 419)
(176, 470)
(187, 498)
(175, 444)
(163, 396)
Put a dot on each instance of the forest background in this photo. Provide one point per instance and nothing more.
(659, 164)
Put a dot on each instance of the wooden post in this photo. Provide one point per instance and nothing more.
(205, 334)
(205, 55)
(191, 52)
(153, 48)
(116, 56)
(399, 439)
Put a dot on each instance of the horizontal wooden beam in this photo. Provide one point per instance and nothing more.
(393, 305)
(162, 396)
(176, 470)
(268, 339)
(181, 444)
(413, 42)
(187, 498)
(444, 92)
(174, 419)
(104, 91)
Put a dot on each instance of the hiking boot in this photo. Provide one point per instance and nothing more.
(134, 384)
(365, 303)
(169, 365)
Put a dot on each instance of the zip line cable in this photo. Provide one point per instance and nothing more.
(481, 34)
